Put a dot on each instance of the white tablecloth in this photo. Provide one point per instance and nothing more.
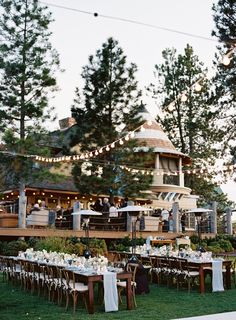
(110, 291)
(217, 276)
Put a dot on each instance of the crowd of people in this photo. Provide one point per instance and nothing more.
(111, 210)
(106, 208)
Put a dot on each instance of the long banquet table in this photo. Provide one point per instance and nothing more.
(91, 279)
(196, 264)
(201, 265)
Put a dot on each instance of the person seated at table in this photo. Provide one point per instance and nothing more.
(97, 205)
(35, 208)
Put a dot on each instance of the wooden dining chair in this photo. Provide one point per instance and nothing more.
(73, 289)
(121, 285)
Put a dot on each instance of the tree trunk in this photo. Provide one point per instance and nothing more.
(22, 206)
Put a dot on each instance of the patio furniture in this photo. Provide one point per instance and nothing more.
(38, 218)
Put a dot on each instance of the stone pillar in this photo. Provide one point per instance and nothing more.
(175, 211)
(213, 216)
(76, 220)
(229, 221)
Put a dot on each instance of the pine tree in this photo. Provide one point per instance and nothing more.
(224, 14)
(111, 109)
(27, 66)
(191, 121)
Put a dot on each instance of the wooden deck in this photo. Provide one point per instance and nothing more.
(50, 232)
(47, 232)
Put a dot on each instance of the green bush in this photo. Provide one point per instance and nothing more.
(32, 242)
(12, 248)
(215, 249)
(51, 244)
(97, 246)
(194, 239)
(226, 245)
(121, 247)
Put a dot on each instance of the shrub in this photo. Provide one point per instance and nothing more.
(226, 245)
(215, 249)
(97, 246)
(51, 244)
(194, 239)
(32, 242)
(12, 248)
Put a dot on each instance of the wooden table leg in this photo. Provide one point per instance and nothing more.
(202, 283)
(90, 297)
(129, 294)
(228, 276)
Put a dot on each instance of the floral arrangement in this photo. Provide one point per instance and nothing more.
(52, 257)
(98, 263)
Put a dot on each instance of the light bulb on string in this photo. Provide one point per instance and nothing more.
(142, 129)
(171, 106)
(107, 148)
(127, 137)
(149, 122)
(184, 98)
(226, 60)
(101, 150)
(96, 153)
(113, 145)
(132, 134)
(197, 87)
(121, 142)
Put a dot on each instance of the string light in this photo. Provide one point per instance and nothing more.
(184, 98)
(171, 106)
(226, 60)
(197, 87)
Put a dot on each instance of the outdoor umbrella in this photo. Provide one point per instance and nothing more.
(134, 209)
(198, 211)
(87, 212)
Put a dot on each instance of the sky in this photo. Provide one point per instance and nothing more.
(77, 35)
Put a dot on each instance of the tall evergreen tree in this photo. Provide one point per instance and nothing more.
(111, 108)
(191, 121)
(224, 14)
(27, 66)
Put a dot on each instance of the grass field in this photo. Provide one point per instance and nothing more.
(161, 304)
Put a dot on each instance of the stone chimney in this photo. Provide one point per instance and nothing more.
(66, 123)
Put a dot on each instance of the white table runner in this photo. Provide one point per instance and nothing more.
(217, 276)
(110, 291)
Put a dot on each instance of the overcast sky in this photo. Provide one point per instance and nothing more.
(77, 35)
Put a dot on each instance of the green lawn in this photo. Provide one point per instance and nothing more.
(162, 303)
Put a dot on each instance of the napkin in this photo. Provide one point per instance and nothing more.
(217, 276)
(110, 291)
